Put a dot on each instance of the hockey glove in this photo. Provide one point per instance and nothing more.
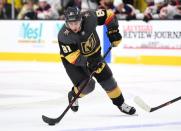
(114, 36)
(95, 63)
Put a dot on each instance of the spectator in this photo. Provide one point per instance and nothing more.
(89, 4)
(130, 2)
(68, 3)
(28, 11)
(60, 5)
(152, 12)
(106, 4)
(178, 15)
(17, 4)
(168, 12)
(57, 6)
(124, 11)
(5, 10)
(45, 11)
(2, 11)
(178, 2)
(149, 2)
(77, 3)
(141, 5)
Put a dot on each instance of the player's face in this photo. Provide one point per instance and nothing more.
(75, 26)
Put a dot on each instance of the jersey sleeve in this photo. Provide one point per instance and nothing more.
(69, 51)
(105, 17)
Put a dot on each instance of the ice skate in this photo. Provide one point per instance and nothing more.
(127, 109)
(75, 105)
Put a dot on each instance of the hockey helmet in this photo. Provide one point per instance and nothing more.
(72, 14)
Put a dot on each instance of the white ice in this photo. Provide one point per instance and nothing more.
(30, 89)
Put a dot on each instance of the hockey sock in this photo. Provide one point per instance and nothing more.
(116, 96)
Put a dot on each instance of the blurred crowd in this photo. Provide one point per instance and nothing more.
(124, 9)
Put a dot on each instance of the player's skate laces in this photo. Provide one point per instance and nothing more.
(127, 109)
(75, 105)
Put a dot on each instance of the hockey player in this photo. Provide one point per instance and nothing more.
(81, 54)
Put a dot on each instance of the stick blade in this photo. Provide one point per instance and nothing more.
(49, 121)
(142, 104)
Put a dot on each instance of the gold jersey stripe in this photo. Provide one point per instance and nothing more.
(110, 16)
(73, 56)
(114, 93)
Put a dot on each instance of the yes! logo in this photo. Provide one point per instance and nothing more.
(31, 33)
(58, 27)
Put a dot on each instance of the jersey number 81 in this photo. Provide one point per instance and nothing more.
(66, 49)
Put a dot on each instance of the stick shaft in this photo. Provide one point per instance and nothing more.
(165, 104)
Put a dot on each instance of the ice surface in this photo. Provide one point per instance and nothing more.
(30, 89)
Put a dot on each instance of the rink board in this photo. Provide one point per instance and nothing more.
(156, 42)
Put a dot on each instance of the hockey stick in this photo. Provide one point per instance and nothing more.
(147, 108)
(53, 121)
